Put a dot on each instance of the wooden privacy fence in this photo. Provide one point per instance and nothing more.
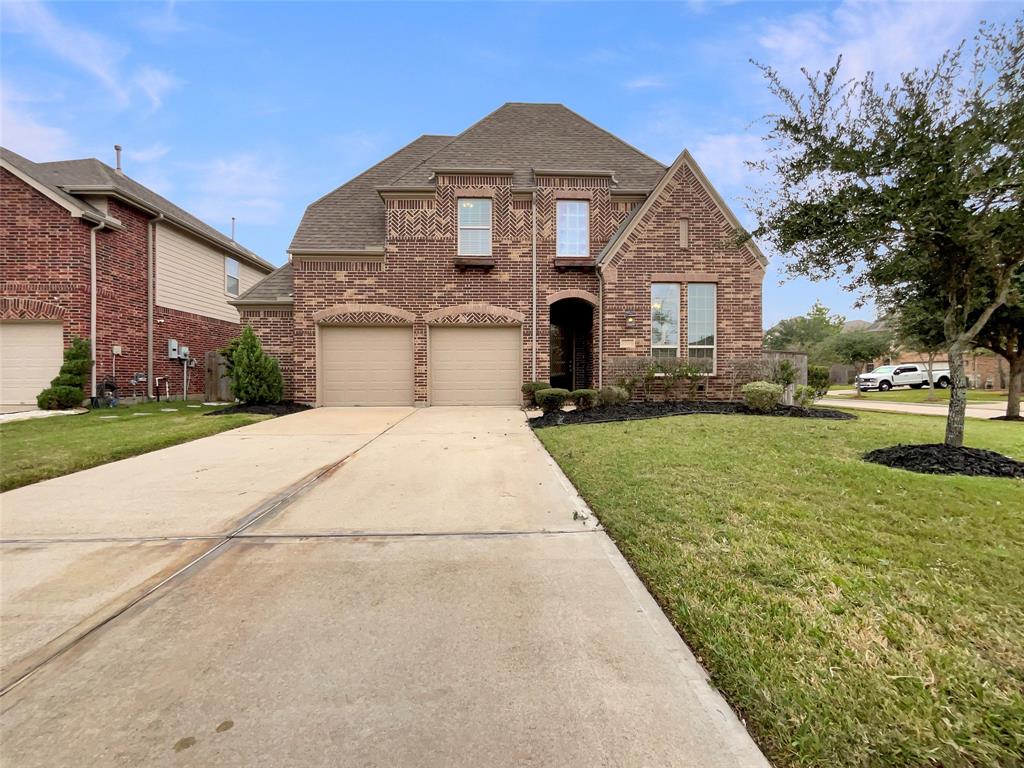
(798, 359)
(218, 386)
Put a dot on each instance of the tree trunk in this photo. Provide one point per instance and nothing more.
(931, 377)
(957, 397)
(1013, 390)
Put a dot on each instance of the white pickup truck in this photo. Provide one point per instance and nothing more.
(914, 375)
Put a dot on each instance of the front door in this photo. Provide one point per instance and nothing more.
(562, 343)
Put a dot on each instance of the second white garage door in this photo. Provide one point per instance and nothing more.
(30, 356)
(475, 366)
(366, 365)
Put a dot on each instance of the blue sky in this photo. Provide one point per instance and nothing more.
(254, 110)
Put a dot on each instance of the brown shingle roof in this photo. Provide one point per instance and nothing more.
(275, 288)
(352, 216)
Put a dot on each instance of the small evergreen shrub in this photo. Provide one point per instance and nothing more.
(551, 400)
(255, 376)
(612, 396)
(819, 378)
(531, 388)
(804, 395)
(584, 398)
(762, 396)
(784, 373)
(67, 390)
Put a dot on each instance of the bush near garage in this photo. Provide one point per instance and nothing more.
(67, 390)
(762, 396)
(551, 400)
(255, 376)
(531, 388)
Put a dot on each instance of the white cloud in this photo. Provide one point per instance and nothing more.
(154, 83)
(722, 157)
(246, 186)
(644, 83)
(164, 22)
(22, 132)
(149, 154)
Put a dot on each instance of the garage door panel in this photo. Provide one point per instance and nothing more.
(475, 365)
(367, 365)
(30, 356)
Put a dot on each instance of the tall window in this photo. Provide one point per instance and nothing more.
(700, 322)
(474, 226)
(665, 319)
(230, 276)
(573, 235)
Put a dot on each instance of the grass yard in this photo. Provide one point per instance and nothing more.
(921, 395)
(38, 449)
(854, 615)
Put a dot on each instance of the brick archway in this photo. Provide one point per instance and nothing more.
(29, 309)
(573, 293)
(363, 314)
(478, 313)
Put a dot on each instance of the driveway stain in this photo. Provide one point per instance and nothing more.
(185, 743)
(227, 725)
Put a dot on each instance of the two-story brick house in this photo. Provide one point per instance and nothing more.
(87, 251)
(532, 246)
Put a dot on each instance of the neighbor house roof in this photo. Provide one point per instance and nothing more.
(275, 288)
(75, 179)
(351, 218)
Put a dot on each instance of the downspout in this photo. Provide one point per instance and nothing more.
(533, 246)
(92, 304)
(150, 298)
(600, 328)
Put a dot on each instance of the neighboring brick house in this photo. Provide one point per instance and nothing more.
(87, 251)
(534, 245)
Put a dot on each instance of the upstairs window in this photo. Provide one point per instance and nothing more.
(664, 320)
(230, 276)
(700, 321)
(474, 226)
(573, 236)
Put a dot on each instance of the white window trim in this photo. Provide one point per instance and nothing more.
(712, 347)
(586, 239)
(228, 261)
(679, 330)
(459, 227)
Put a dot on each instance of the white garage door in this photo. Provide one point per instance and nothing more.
(366, 366)
(475, 366)
(30, 356)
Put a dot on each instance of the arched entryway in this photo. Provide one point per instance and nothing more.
(571, 343)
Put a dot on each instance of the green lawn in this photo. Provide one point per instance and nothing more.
(854, 615)
(921, 395)
(39, 449)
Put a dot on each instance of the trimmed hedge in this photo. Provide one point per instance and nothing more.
(552, 399)
(531, 388)
(584, 398)
(612, 396)
(762, 396)
(67, 390)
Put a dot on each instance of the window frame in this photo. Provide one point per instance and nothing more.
(228, 261)
(714, 327)
(586, 239)
(679, 323)
(459, 226)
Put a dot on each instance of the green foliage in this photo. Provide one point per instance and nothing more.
(551, 400)
(804, 333)
(784, 373)
(859, 347)
(584, 398)
(804, 395)
(818, 378)
(762, 396)
(255, 376)
(67, 390)
(612, 396)
(629, 372)
(530, 389)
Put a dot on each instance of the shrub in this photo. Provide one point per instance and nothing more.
(630, 372)
(584, 398)
(804, 395)
(784, 373)
(531, 388)
(818, 377)
(612, 396)
(762, 396)
(67, 390)
(255, 376)
(551, 400)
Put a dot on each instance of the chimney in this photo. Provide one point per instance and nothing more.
(232, 229)
(117, 155)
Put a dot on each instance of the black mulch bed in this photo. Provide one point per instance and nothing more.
(634, 411)
(278, 409)
(939, 459)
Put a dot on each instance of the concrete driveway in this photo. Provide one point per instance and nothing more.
(372, 587)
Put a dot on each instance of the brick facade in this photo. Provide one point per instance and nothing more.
(417, 281)
(44, 274)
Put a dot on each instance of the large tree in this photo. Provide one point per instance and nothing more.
(1004, 335)
(906, 189)
(804, 333)
(918, 326)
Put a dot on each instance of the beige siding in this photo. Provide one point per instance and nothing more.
(190, 275)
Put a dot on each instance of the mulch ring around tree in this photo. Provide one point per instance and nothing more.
(277, 409)
(633, 411)
(939, 459)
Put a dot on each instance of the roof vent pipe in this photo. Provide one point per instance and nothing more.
(117, 155)
(232, 229)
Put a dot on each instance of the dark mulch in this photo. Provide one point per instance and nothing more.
(278, 409)
(634, 411)
(939, 459)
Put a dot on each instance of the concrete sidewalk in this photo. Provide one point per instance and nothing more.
(974, 410)
(436, 596)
